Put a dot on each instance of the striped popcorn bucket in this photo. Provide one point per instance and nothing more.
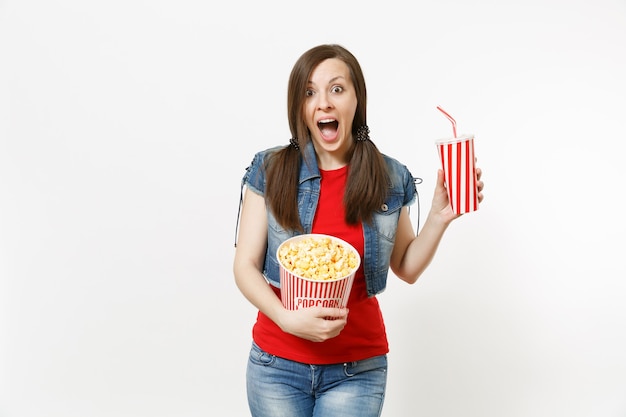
(457, 162)
(299, 292)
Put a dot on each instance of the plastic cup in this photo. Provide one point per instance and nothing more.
(458, 164)
(300, 292)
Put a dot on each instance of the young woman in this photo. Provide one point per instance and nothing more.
(330, 179)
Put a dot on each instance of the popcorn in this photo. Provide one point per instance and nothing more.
(316, 270)
(318, 258)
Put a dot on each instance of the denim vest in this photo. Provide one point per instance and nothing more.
(379, 236)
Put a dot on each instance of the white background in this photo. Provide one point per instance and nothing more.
(125, 129)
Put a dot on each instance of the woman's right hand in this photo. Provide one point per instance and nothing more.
(316, 324)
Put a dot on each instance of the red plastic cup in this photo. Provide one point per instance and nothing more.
(458, 164)
(300, 292)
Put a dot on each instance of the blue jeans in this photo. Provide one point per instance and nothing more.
(282, 388)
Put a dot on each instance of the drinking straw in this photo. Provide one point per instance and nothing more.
(449, 118)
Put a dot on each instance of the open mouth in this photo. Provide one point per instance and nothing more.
(328, 127)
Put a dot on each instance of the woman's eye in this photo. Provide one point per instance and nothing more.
(308, 93)
(337, 89)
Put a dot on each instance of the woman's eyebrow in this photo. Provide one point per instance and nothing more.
(332, 80)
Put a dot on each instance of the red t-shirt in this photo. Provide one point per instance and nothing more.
(364, 335)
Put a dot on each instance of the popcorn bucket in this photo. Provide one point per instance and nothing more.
(304, 260)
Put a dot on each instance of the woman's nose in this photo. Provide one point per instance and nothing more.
(324, 101)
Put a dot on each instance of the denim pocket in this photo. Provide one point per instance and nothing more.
(377, 363)
(260, 357)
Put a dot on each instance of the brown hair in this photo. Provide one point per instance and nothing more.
(368, 180)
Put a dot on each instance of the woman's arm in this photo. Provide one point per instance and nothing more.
(411, 255)
(308, 323)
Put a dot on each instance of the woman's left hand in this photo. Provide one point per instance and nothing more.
(480, 184)
(441, 202)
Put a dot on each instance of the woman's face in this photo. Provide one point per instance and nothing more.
(329, 109)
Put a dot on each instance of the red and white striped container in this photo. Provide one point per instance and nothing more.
(299, 292)
(458, 164)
